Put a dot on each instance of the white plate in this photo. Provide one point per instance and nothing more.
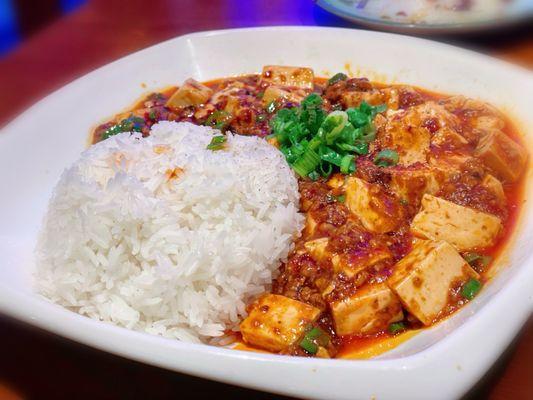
(441, 363)
(425, 17)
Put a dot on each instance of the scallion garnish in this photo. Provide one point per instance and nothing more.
(471, 288)
(396, 327)
(347, 164)
(316, 143)
(217, 143)
(130, 124)
(341, 198)
(271, 107)
(337, 78)
(312, 339)
(386, 158)
(219, 119)
(309, 346)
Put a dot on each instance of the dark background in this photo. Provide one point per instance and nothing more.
(47, 43)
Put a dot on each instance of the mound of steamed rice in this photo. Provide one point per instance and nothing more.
(161, 235)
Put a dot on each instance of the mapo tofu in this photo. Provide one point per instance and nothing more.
(408, 195)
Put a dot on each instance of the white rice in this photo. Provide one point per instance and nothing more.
(175, 256)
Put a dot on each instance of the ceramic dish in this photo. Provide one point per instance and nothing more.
(423, 18)
(441, 362)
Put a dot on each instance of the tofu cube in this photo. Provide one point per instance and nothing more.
(276, 322)
(288, 76)
(317, 248)
(411, 184)
(502, 155)
(354, 99)
(191, 93)
(495, 186)
(405, 134)
(351, 264)
(424, 278)
(463, 227)
(273, 93)
(371, 309)
(371, 205)
(449, 138)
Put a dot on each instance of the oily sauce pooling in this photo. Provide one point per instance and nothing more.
(404, 210)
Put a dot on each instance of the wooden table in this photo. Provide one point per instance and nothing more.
(35, 364)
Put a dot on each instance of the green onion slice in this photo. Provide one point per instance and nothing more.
(271, 107)
(386, 158)
(307, 163)
(337, 78)
(471, 288)
(347, 164)
(308, 345)
(217, 143)
(396, 327)
(341, 198)
(333, 126)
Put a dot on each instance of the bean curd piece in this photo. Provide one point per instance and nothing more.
(449, 138)
(424, 278)
(405, 134)
(273, 93)
(317, 248)
(336, 181)
(191, 93)
(495, 186)
(354, 99)
(276, 322)
(371, 309)
(463, 227)
(411, 184)
(371, 206)
(288, 76)
(351, 264)
(502, 155)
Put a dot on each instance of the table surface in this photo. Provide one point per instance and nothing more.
(35, 364)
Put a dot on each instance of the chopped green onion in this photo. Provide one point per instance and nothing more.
(219, 119)
(308, 345)
(386, 158)
(271, 107)
(347, 164)
(470, 289)
(313, 176)
(361, 148)
(130, 124)
(314, 333)
(217, 143)
(261, 117)
(404, 202)
(337, 78)
(396, 327)
(341, 198)
(307, 163)
(474, 258)
(315, 143)
(312, 337)
(260, 95)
